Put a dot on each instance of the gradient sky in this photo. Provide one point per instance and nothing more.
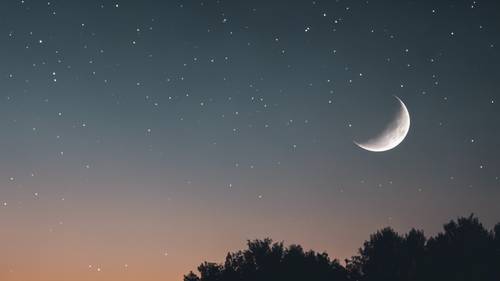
(140, 138)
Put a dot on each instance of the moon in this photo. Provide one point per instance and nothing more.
(392, 135)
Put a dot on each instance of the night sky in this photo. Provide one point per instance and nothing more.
(140, 138)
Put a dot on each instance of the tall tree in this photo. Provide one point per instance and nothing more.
(461, 253)
(380, 258)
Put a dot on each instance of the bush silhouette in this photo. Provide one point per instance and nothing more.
(464, 251)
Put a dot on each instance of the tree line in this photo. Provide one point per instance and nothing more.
(464, 251)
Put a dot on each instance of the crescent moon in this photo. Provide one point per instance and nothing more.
(393, 134)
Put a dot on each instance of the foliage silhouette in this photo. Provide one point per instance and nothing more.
(464, 251)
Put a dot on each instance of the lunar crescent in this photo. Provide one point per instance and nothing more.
(393, 134)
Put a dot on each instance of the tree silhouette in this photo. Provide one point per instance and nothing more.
(388, 256)
(264, 260)
(496, 252)
(191, 277)
(414, 256)
(464, 251)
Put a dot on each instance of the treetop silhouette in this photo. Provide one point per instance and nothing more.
(464, 251)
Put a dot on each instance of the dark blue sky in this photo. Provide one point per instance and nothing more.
(141, 137)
